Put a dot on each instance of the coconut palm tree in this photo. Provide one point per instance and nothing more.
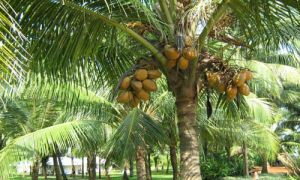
(105, 38)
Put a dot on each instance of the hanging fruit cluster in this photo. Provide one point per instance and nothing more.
(226, 79)
(137, 86)
(181, 60)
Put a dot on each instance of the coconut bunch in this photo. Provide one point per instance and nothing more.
(137, 86)
(226, 79)
(231, 83)
(179, 59)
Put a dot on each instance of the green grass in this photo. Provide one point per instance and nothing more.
(161, 176)
(116, 176)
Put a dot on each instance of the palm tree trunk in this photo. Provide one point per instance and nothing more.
(131, 173)
(147, 166)
(82, 167)
(35, 170)
(73, 166)
(44, 166)
(99, 168)
(56, 168)
(61, 168)
(140, 164)
(265, 164)
(173, 157)
(245, 157)
(92, 166)
(168, 164)
(125, 176)
(186, 104)
(156, 163)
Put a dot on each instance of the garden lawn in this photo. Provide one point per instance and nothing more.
(156, 176)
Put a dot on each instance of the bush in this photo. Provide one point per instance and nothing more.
(218, 165)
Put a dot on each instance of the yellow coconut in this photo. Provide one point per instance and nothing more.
(244, 90)
(248, 75)
(125, 83)
(143, 95)
(239, 79)
(231, 92)
(154, 74)
(141, 74)
(171, 53)
(221, 87)
(171, 64)
(190, 53)
(213, 79)
(124, 97)
(136, 85)
(134, 102)
(149, 85)
(183, 63)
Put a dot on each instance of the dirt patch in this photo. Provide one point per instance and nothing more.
(272, 170)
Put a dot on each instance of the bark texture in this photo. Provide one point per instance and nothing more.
(173, 157)
(188, 134)
(148, 167)
(82, 168)
(44, 166)
(56, 168)
(35, 170)
(140, 164)
(265, 164)
(61, 167)
(92, 167)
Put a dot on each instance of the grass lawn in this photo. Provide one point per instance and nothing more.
(160, 176)
(156, 176)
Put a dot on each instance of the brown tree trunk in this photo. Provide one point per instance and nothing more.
(186, 104)
(56, 168)
(73, 166)
(61, 167)
(35, 169)
(173, 157)
(148, 168)
(82, 167)
(92, 166)
(245, 157)
(44, 166)
(140, 164)
(265, 164)
(125, 176)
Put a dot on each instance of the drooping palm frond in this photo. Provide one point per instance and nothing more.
(271, 23)
(137, 129)
(45, 141)
(83, 36)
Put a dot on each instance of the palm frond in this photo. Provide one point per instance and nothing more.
(137, 129)
(45, 141)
